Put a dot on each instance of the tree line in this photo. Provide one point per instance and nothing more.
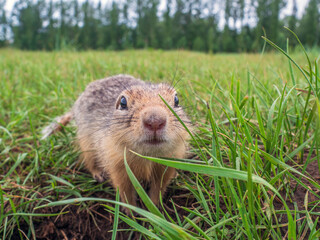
(200, 25)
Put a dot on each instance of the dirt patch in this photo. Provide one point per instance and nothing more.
(298, 194)
(95, 222)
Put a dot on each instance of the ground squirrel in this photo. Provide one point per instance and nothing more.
(122, 112)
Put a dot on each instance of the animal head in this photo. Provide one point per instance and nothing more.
(146, 125)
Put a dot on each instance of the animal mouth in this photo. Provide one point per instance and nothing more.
(154, 141)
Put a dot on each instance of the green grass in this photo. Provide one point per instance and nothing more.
(256, 134)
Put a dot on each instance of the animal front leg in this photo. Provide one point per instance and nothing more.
(127, 192)
(160, 180)
(90, 160)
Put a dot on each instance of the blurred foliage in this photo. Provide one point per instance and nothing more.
(200, 25)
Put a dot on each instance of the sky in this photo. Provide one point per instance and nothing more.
(301, 6)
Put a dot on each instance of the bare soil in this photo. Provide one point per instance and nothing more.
(298, 194)
(97, 223)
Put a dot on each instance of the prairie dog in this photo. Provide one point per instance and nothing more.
(122, 112)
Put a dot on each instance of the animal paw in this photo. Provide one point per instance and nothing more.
(99, 176)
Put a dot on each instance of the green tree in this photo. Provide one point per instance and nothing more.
(50, 30)
(210, 40)
(268, 12)
(227, 41)
(27, 28)
(241, 38)
(147, 22)
(309, 24)
(198, 44)
(178, 24)
(128, 41)
(293, 17)
(291, 22)
(212, 35)
(89, 31)
(115, 32)
(188, 24)
(167, 27)
(3, 25)
(76, 19)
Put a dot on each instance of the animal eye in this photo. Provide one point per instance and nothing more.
(123, 103)
(176, 101)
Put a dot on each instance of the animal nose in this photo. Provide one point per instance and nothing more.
(154, 123)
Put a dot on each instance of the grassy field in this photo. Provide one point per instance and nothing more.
(255, 168)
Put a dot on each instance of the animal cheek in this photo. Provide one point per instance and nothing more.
(136, 129)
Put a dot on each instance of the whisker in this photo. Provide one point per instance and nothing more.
(187, 122)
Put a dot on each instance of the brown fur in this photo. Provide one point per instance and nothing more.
(105, 131)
